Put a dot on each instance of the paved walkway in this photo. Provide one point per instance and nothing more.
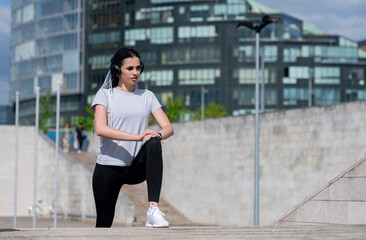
(343, 232)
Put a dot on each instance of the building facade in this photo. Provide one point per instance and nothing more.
(189, 48)
(187, 45)
(46, 51)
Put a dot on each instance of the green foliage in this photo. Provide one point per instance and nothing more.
(152, 121)
(87, 121)
(211, 111)
(176, 109)
(46, 110)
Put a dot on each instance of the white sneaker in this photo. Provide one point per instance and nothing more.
(155, 218)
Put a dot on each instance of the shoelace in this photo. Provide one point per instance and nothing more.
(158, 210)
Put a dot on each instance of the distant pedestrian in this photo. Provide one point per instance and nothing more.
(80, 136)
(66, 137)
(129, 153)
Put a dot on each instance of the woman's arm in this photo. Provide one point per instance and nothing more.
(103, 130)
(164, 123)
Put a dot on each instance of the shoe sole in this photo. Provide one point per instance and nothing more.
(156, 226)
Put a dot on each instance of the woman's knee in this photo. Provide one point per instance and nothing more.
(153, 144)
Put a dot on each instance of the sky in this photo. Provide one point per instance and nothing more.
(342, 17)
(4, 50)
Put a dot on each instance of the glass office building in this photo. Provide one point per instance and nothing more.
(186, 46)
(45, 52)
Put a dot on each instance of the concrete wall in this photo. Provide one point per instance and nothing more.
(75, 196)
(341, 201)
(209, 165)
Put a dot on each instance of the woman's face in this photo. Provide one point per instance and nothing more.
(131, 70)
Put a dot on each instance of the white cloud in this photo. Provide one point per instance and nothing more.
(351, 27)
(339, 17)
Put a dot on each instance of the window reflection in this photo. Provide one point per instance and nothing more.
(159, 35)
(198, 76)
(190, 55)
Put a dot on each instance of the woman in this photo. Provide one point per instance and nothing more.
(129, 152)
(66, 137)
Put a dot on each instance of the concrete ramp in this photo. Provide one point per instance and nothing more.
(341, 201)
(75, 196)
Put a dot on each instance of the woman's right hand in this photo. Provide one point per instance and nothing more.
(147, 132)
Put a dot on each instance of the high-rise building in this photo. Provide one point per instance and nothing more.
(189, 48)
(46, 51)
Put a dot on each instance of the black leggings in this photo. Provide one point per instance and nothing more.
(108, 180)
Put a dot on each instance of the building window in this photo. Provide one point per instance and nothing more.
(185, 34)
(164, 96)
(148, 57)
(292, 96)
(57, 44)
(198, 76)
(246, 96)
(100, 4)
(44, 83)
(106, 20)
(327, 75)
(246, 54)
(157, 78)
(355, 94)
(290, 54)
(325, 96)
(99, 62)
(248, 75)
(70, 82)
(190, 55)
(25, 87)
(292, 28)
(25, 51)
(295, 73)
(356, 76)
(270, 53)
(161, 35)
(133, 35)
(70, 61)
(156, 15)
(105, 37)
(70, 103)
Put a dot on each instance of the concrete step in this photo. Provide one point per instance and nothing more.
(340, 201)
(137, 194)
(321, 231)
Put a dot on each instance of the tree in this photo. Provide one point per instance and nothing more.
(211, 111)
(176, 109)
(88, 121)
(46, 106)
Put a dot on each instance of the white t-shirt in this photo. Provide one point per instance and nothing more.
(130, 113)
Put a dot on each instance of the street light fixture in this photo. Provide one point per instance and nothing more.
(257, 27)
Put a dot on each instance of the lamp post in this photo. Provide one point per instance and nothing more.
(262, 77)
(257, 26)
(202, 102)
(55, 200)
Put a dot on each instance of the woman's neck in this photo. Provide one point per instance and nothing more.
(125, 88)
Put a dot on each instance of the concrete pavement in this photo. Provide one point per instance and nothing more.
(343, 232)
